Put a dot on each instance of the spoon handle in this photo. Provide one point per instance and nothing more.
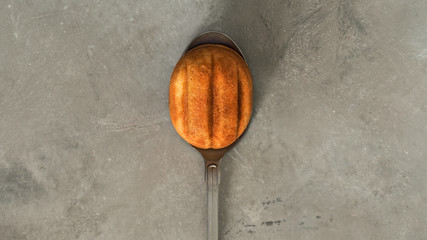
(213, 177)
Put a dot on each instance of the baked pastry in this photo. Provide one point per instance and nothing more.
(210, 96)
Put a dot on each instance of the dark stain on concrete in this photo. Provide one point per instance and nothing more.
(17, 184)
(271, 223)
(267, 203)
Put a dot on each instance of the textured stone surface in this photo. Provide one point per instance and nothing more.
(336, 148)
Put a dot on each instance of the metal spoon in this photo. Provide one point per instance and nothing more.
(213, 156)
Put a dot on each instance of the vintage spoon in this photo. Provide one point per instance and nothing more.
(213, 156)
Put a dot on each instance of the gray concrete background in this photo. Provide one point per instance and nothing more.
(336, 149)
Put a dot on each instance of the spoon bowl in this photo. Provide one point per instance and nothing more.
(213, 156)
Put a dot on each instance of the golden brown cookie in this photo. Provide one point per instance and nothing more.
(210, 96)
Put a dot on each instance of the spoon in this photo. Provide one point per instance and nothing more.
(212, 157)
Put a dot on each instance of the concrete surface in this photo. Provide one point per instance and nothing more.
(336, 150)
